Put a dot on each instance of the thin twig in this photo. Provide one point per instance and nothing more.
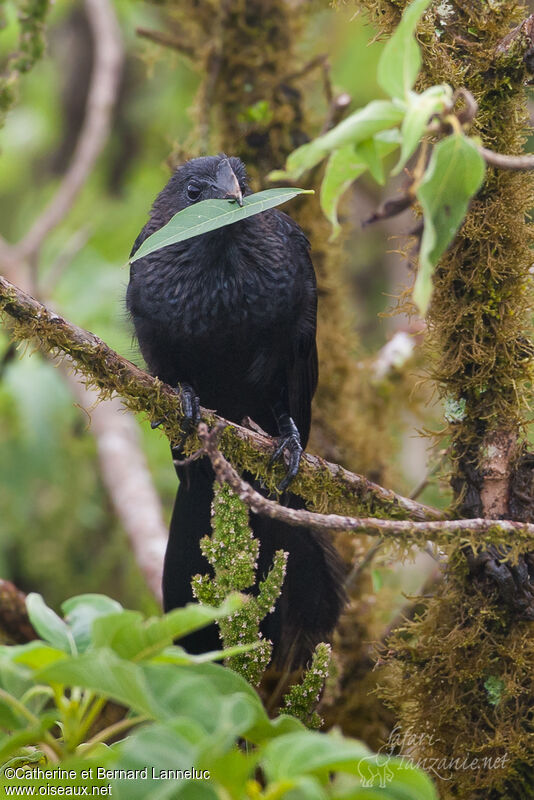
(359, 568)
(167, 40)
(69, 251)
(336, 110)
(506, 162)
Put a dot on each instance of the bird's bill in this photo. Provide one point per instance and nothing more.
(227, 183)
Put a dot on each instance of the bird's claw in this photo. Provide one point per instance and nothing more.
(190, 410)
(291, 443)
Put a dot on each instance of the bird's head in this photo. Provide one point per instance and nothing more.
(207, 178)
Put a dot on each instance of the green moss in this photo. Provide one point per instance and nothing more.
(462, 679)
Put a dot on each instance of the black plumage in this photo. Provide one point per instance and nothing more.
(229, 317)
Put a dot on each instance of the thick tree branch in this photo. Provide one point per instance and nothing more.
(405, 532)
(319, 482)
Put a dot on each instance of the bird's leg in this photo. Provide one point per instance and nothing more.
(289, 440)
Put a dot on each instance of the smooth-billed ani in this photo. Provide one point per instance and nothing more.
(229, 317)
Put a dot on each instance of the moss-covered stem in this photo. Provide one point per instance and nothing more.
(406, 532)
(324, 485)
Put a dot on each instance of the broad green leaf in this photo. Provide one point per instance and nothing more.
(420, 108)
(454, 175)
(379, 115)
(304, 787)
(369, 153)
(309, 752)
(35, 654)
(81, 611)
(182, 691)
(391, 778)
(12, 743)
(104, 672)
(346, 165)
(16, 680)
(155, 748)
(160, 691)
(233, 770)
(397, 779)
(342, 169)
(321, 754)
(209, 215)
(48, 625)
(400, 61)
(132, 637)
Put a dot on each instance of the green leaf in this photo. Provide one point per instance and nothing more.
(306, 752)
(80, 613)
(13, 742)
(161, 691)
(155, 748)
(400, 61)
(132, 637)
(321, 754)
(305, 787)
(379, 115)
(347, 164)
(104, 672)
(454, 175)
(342, 169)
(420, 108)
(48, 625)
(35, 654)
(369, 153)
(177, 655)
(208, 215)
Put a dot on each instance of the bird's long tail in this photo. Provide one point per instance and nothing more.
(312, 595)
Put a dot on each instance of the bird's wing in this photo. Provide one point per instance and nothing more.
(302, 371)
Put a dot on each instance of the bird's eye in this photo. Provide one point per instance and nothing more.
(193, 191)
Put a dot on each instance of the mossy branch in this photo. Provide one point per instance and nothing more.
(476, 532)
(325, 486)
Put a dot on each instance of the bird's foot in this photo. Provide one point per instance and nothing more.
(514, 582)
(190, 409)
(291, 442)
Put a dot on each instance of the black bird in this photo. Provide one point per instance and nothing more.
(229, 317)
